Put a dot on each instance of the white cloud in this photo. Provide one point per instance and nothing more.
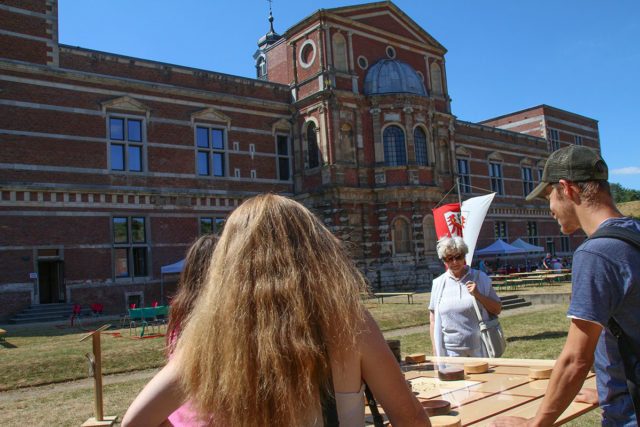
(631, 170)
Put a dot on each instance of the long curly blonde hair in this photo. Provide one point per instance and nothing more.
(281, 297)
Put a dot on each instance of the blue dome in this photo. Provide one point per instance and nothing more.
(391, 76)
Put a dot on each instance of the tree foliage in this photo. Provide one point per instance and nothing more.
(621, 194)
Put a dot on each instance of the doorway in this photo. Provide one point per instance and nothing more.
(51, 281)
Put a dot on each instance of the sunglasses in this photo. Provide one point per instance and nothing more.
(453, 258)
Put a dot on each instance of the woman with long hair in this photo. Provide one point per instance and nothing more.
(278, 327)
(192, 280)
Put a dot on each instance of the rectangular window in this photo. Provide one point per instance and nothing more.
(283, 157)
(126, 143)
(577, 139)
(551, 246)
(554, 138)
(130, 247)
(565, 243)
(527, 180)
(540, 172)
(495, 173)
(210, 143)
(211, 225)
(500, 230)
(532, 232)
(463, 173)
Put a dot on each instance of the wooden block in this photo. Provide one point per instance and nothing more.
(415, 358)
(445, 421)
(451, 374)
(540, 373)
(476, 367)
(436, 407)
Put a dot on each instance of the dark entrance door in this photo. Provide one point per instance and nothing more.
(50, 279)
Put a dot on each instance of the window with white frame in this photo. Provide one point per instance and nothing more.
(540, 172)
(495, 174)
(463, 174)
(577, 139)
(394, 147)
(500, 230)
(211, 150)
(211, 225)
(283, 157)
(532, 232)
(401, 236)
(126, 139)
(554, 139)
(528, 183)
(130, 246)
(420, 144)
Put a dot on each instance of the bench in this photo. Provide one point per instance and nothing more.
(381, 295)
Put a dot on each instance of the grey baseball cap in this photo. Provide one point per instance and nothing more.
(574, 163)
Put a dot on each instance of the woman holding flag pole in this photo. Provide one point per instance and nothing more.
(454, 325)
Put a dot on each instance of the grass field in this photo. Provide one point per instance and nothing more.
(47, 354)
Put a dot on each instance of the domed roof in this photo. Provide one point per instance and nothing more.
(392, 76)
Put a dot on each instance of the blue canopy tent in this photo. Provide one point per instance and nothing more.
(526, 246)
(174, 268)
(500, 247)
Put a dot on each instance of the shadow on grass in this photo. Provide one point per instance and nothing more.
(7, 344)
(540, 336)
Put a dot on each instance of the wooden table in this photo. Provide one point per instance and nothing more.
(505, 389)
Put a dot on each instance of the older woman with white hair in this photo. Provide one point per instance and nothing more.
(453, 319)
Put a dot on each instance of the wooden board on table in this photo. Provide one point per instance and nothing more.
(506, 389)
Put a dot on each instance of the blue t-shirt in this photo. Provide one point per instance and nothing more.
(605, 283)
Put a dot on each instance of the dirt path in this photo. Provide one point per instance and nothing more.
(86, 383)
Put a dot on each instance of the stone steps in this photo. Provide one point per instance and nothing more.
(37, 313)
(513, 301)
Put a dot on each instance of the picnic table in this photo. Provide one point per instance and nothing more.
(505, 389)
(381, 295)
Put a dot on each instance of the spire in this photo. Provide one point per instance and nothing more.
(271, 37)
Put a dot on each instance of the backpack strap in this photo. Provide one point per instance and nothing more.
(620, 233)
(628, 353)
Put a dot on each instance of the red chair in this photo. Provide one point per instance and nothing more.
(77, 309)
(132, 306)
(154, 304)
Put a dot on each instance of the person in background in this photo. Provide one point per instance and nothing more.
(278, 330)
(483, 266)
(547, 262)
(453, 320)
(605, 285)
(192, 279)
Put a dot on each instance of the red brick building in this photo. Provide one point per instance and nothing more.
(110, 166)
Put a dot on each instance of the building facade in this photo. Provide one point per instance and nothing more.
(110, 166)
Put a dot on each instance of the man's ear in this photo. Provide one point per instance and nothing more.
(570, 190)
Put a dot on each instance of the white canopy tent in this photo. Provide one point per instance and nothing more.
(174, 268)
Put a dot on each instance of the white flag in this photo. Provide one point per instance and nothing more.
(473, 212)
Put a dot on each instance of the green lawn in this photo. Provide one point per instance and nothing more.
(47, 354)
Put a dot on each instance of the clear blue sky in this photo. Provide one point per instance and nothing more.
(579, 55)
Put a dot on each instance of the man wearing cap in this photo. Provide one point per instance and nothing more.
(605, 284)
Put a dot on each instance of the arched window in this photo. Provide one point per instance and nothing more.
(339, 52)
(312, 146)
(261, 67)
(401, 236)
(420, 142)
(429, 231)
(394, 149)
(436, 79)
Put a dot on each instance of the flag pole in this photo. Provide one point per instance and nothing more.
(459, 197)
